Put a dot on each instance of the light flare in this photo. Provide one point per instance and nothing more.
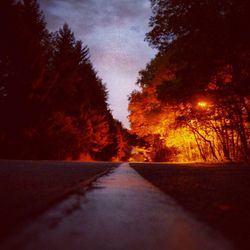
(202, 104)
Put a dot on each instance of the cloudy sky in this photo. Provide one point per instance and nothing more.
(114, 30)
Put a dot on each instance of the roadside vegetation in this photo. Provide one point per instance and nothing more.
(53, 105)
(194, 97)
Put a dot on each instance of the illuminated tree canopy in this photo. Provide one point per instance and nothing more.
(195, 92)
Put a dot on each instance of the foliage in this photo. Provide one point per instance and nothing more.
(196, 89)
(52, 103)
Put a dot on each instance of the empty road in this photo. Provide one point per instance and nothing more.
(121, 211)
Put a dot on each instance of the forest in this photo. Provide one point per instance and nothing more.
(53, 105)
(194, 97)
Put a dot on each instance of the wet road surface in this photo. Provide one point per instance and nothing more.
(122, 211)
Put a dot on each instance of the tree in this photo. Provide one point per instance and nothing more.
(22, 64)
(204, 45)
(123, 142)
(52, 103)
(75, 92)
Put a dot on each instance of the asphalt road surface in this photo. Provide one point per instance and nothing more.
(218, 195)
(122, 211)
(28, 188)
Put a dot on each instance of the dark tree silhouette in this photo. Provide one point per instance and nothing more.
(52, 103)
(202, 38)
(22, 65)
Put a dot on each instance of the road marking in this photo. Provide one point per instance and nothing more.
(122, 211)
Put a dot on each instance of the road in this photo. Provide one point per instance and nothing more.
(122, 210)
(27, 188)
(214, 193)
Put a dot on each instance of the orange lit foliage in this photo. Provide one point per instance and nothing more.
(149, 118)
(123, 148)
(198, 129)
(208, 91)
(153, 120)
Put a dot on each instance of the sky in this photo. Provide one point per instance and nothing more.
(114, 31)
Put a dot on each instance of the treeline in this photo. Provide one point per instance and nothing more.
(197, 88)
(52, 103)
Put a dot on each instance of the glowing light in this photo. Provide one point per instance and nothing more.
(202, 104)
